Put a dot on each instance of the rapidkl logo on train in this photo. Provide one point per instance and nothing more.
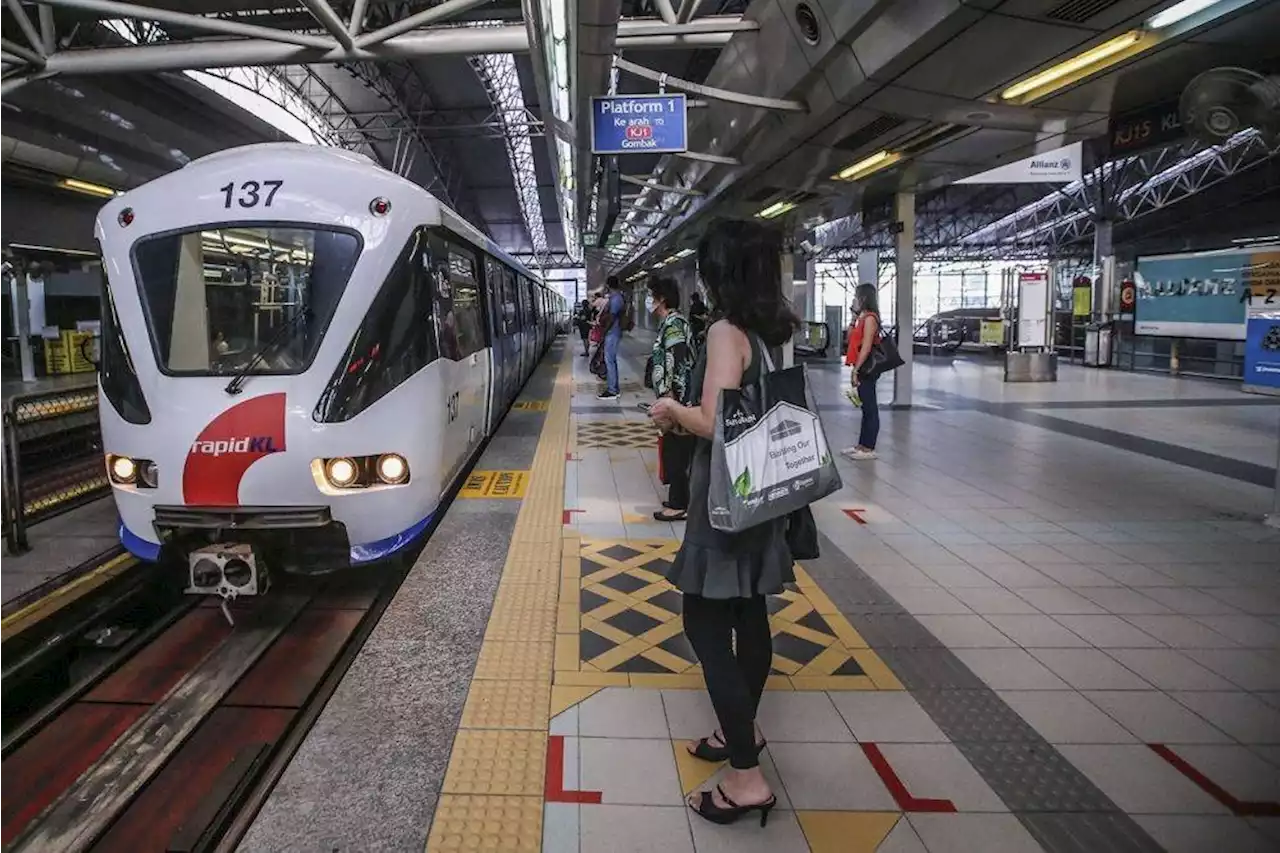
(248, 444)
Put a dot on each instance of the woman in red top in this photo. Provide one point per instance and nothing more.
(862, 334)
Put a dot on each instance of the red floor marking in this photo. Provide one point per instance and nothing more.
(899, 791)
(567, 518)
(853, 513)
(555, 792)
(1239, 807)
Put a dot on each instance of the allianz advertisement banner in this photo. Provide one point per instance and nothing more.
(1204, 294)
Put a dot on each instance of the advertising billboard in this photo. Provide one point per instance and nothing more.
(1203, 294)
(1262, 346)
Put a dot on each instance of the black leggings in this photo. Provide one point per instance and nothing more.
(735, 676)
(677, 451)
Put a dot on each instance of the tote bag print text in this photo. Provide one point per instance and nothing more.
(774, 456)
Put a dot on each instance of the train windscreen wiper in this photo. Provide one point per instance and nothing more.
(237, 382)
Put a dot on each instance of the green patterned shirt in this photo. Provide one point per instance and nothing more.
(673, 357)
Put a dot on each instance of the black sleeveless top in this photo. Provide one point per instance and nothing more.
(715, 564)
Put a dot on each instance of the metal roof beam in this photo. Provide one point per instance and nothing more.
(25, 54)
(711, 92)
(441, 12)
(665, 10)
(329, 19)
(357, 17)
(650, 185)
(287, 48)
(28, 29)
(111, 8)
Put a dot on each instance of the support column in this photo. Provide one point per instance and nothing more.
(1104, 260)
(905, 250)
(22, 322)
(811, 290)
(869, 268)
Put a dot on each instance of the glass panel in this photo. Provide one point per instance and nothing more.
(216, 297)
(467, 319)
(115, 370)
(394, 341)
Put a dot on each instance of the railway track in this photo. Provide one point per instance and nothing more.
(172, 741)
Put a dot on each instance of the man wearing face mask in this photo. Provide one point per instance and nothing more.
(673, 358)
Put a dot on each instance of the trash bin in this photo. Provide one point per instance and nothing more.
(1097, 345)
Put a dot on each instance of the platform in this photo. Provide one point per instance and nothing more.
(60, 543)
(1045, 618)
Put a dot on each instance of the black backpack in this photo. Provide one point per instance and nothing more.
(628, 317)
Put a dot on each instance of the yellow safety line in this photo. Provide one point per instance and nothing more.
(492, 797)
(17, 622)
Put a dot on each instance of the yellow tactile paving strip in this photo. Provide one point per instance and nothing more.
(492, 797)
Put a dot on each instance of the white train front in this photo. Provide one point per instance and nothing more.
(301, 354)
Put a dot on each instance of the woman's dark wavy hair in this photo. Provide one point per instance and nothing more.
(666, 289)
(740, 264)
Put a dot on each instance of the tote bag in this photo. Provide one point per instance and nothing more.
(769, 454)
(882, 358)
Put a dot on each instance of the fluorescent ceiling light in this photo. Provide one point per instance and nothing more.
(864, 167)
(683, 253)
(1269, 239)
(88, 188)
(1093, 59)
(1178, 12)
(776, 209)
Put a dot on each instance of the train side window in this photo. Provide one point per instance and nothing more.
(509, 307)
(464, 284)
(393, 342)
(529, 302)
(494, 280)
(115, 368)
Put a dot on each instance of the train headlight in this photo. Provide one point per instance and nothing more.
(341, 472)
(392, 468)
(122, 469)
(148, 473)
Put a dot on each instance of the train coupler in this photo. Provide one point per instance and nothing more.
(227, 571)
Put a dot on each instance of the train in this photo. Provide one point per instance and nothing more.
(302, 354)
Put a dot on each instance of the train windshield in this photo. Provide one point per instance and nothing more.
(215, 296)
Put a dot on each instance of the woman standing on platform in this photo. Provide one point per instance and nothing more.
(862, 335)
(725, 576)
(672, 367)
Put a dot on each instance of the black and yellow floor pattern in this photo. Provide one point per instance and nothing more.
(625, 627)
(593, 386)
(615, 434)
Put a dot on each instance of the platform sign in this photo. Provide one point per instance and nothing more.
(639, 124)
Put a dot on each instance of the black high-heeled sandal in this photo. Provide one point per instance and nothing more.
(707, 752)
(708, 810)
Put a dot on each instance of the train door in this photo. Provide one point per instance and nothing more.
(463, 348)
(535, 321)
(505, 355)
(529, 325)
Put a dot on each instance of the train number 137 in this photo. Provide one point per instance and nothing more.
(251, 193)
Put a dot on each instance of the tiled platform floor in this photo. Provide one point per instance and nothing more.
(1123, 606)
(1035, 625)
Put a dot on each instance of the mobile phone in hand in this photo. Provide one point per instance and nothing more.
(644, 407)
